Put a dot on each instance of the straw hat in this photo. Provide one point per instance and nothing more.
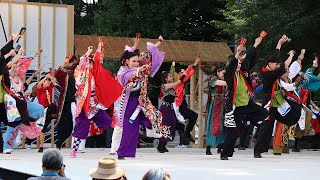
(107, 169)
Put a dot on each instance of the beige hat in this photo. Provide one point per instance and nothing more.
(107, 169)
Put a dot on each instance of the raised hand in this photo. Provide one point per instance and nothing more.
(315, 61)
(263, 34)
(184, 72)
(38, 71)
(239, 49)
(257, 42)
(160, 38)
(21, 52)
(283, 39)
(15, 36)
(12, 53)
(137, 39)
(292, 53)
(198, 59)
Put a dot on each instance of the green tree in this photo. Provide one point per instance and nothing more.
(174, 19)
(299, 19)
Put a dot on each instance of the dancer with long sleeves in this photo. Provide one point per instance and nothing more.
(281, 107)
(66, 102)
(93, 95)
(169, 119)
(239, 98)
(135, 106)
(181, 107)
(215, 121)
(18, 109)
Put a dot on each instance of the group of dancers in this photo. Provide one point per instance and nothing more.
(85, 96)
(286, 100)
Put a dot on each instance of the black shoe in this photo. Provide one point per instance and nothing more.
(241, 148)
(208, 151)
(257, 155)
(224, 158)
(295, 150)
(277, 154)
(161, 150)
(188, 137)
(166, 150)
(219, 150)
(121, 158)
(40, 150)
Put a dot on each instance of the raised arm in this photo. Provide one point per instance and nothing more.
(172, 85)
(251, 56)
(301, 56)
(39, 85)
(16, 60)
(281, 41)
(289, 60)
(11, 53)
(220, 83)
(160, 39)
(28, 81)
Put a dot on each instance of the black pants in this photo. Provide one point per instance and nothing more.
(252, 112)
(162, 146)
(180, 128)
(190, 115)
(65, 125)
(50, 111)
(266, 128)
(3, 114)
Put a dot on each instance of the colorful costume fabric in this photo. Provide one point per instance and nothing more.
(134, 107)
(215, 121)
(92, 81)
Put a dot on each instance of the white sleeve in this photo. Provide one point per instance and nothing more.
(294, 69)
(287, 86)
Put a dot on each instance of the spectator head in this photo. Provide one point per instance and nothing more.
(52, 160)
(156, 174)
(107, 169)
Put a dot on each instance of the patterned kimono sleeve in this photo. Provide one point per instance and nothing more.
(212, 82)
(157, 58)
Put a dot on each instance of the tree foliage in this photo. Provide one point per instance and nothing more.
(299, 19)
(174, 19)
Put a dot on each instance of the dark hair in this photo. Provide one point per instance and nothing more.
(73, 58)
(274, 59)
(164, 75)
(91, 60)
(230, 56)
(127, 55)
(221, 67)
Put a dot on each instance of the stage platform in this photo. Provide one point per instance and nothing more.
(182, 163)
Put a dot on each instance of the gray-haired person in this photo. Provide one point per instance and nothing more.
(156, 174)
(52, 166)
